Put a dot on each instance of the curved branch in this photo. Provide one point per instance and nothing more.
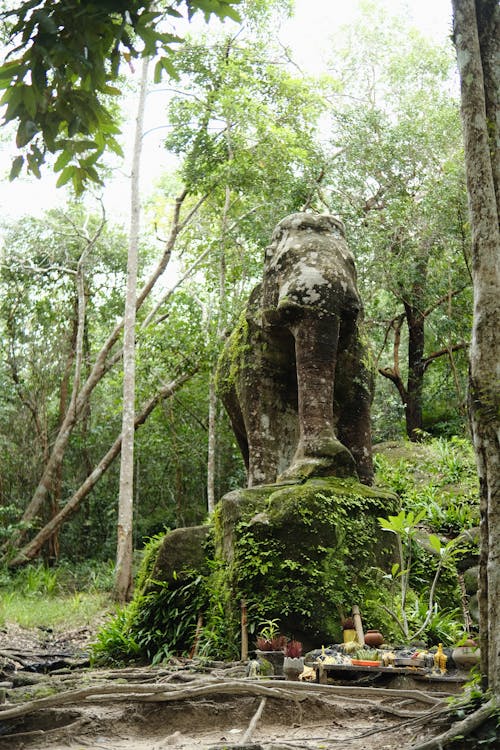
(32, 548)
(441, 352)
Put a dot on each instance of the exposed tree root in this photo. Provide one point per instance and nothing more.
(460, 729)
(253, 723)
(146, 692)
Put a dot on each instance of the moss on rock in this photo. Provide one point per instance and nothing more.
(303, 553)
(180, 553)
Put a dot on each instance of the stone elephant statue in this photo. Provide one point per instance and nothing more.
(294, 375)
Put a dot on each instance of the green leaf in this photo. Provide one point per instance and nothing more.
(10, 69)
(395, 570)
(34, 165)
(30, 100)
(25, 132)
(165, 64)
(65, 176)
(230, 12)
(111, 90)
(435, 542)
(61, 161)
(16, 167)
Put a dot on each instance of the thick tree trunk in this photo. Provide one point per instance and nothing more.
(124, 548)
(477, 41)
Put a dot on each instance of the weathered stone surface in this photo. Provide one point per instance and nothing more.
(303, 552)
(294, 375)
(182, 550)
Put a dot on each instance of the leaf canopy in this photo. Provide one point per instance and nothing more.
(65, 56)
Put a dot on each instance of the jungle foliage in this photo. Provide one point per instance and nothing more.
(316, 584)
(254, 140)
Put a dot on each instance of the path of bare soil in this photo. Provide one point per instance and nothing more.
(189, 705)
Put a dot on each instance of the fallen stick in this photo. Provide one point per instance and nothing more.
(255, 718)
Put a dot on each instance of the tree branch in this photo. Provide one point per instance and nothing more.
(441, 352)
(30, 550)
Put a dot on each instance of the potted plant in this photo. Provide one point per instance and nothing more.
(293, 663)
(270, 645)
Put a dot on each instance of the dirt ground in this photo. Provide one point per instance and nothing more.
(312, 721)
(208, 724)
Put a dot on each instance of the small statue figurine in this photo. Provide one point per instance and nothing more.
(253, 668)
(440, 659)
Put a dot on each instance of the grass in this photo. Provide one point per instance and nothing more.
(62, 598)
(58, 612)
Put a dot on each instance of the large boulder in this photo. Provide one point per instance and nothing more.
(303, 553)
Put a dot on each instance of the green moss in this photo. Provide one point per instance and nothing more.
(230, 363)
(148, 560)
(302, 553)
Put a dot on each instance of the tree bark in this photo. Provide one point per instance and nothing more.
(415, 384)
(477, 42)
(124, 548)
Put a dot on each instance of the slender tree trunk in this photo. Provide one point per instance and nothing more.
(54, 462)
(124, 549)
(55, 495)
(32, 548)
(415, 384)
(212, 395)
(477, 42)
(211, 456)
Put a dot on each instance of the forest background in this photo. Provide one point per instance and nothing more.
(374, 138)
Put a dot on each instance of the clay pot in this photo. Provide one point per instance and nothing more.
(374, 638)
(466, 656)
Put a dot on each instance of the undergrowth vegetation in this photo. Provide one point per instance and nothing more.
(438, 476)
(435, 480)
(65, 596)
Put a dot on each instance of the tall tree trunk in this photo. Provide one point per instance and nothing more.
(477, 42)
(212, 395)
(124, 548)
(55, 495)
(415, 384)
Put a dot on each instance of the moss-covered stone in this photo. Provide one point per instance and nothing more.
(303, 553)
(181, 552)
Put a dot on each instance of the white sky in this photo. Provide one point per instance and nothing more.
(308, 33)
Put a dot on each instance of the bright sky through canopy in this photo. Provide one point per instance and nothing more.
(315, 22)
(309, 34)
